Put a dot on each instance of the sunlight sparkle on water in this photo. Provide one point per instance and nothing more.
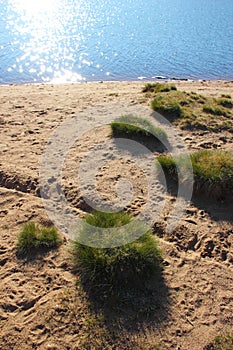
(35, 6)
(47, 52)
(53, 44)
(73, 40)
(65, 76)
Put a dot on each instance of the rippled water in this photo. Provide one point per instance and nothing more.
(76, 40)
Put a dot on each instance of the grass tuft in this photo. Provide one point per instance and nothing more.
(213, 165)
(226, 96)
(221, 342)
(35, 237)
(212, 169)
(158, 87)
(130, 125)
(191, 110)
(215, 110)
(112, 268)
(225, 102)
(168, 107)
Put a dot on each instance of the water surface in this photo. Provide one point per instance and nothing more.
(78, 40)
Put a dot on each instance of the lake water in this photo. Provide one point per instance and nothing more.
(92, 40)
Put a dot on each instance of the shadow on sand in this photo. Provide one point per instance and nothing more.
(128, 311)
(150, 142)
(218, 205)
(219, 209)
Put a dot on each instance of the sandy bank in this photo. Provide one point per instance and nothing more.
(40, 305)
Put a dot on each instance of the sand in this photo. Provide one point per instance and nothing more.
(40, 305)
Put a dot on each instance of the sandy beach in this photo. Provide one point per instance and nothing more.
(41, 306)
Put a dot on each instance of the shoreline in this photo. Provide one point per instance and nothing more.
(156, 80)
(86, 93)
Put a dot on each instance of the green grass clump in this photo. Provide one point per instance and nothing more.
(224, 342)
(221, 342)
(105, 220)
(124, 266)
(225, 102)
(226, 96)
(35, 237)
(215, 110)
(213, 165)
(130, 125)
(158, 87)
(168, 107)
(191, 110)
(212, 169)
(168, 164)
